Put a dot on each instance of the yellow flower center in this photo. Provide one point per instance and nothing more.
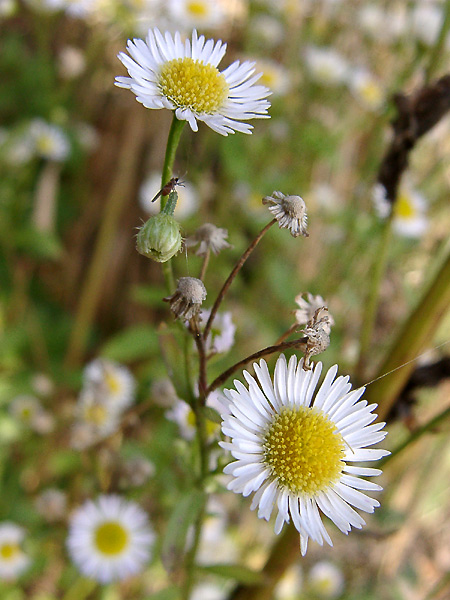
(113, 383)
(304, 450)
(111, 538)
(403, 207)
(45, 144)
(190, 84)
(9, 551)
(211, 427)
(96, 414)
(371, 92)
(197, 9)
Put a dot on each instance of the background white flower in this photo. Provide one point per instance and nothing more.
(110, 538)
(13, 560)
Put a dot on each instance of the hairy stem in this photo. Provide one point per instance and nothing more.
(300, 343)
(232, 275)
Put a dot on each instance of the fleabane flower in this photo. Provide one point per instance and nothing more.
(167, 73)
(13, 560)
(110, 538)
(293, 450)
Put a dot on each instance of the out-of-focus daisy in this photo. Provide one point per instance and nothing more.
(274, 76)
(326, 65)
(290, 585)
(221, 337)
(183, 415)
(71, 62)
(367, 89)
(308, 307)
(267, 29)
(96, 413)
(165, 73)
(42, 384)
(7, 8)
(110, 538)
(187, 202)
(382, 23)
(409, 218)
(427, 21)
(209, 237)
(113, 383)
(49, 140)
(13, 560)
(204, 14)
(326, 580)
(51, 504)
(293, 451)
(30, 412)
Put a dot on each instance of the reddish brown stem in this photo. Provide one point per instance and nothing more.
(300, 343)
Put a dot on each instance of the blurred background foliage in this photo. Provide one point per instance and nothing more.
(73, 288)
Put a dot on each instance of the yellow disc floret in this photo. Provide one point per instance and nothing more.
(189, 83)
(9, 551)
(111, 538)
(404, 208)
(197, 9)
(303, 450)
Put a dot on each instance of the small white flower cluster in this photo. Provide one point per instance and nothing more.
(108, 390)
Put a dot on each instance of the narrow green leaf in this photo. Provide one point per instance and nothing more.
(237, 572)
(185, 514)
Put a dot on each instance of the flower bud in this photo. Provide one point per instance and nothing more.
(159, 238)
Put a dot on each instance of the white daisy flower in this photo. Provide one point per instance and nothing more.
(326, 580)
(410, 212)
(113, 383)
(209, 237)
(13, 560)
(204, 14)
(367, 89)
(293, 451)
(274, 76)
(326, 65)
(165, 73)
(49, 140)
(110, 538)
(187, 202)
(100, 416)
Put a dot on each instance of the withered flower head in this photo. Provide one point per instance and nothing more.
(210, 237)
(289, 211)
(187, 300)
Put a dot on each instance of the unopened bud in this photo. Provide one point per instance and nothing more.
(159, 238)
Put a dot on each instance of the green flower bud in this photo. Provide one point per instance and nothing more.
(159, 238)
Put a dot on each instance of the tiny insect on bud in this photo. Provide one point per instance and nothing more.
(168, 187)
(159, 238)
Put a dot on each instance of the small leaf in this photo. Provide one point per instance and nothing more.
(236, 572)
(212, 415)
(134, 343)
(185, 514)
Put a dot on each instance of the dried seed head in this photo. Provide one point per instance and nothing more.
(318, 333)
(289, 211)
(308, 307)
(210, 237)
(187, 300)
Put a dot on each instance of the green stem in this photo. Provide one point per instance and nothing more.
(371, 304)
(172, 144)
(438, 48)
(415, 335)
